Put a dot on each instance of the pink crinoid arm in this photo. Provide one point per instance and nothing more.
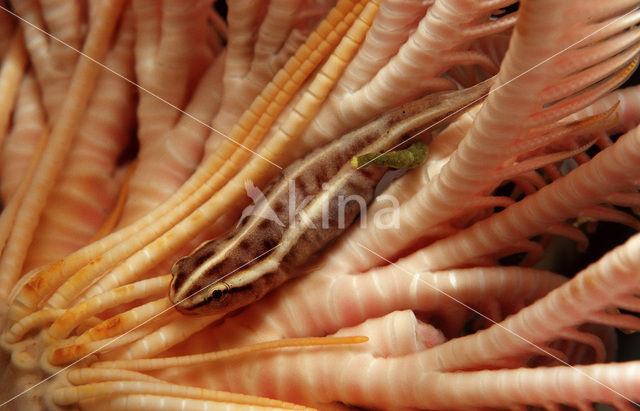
(113, 167)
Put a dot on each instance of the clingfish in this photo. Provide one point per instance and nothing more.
(307, 206)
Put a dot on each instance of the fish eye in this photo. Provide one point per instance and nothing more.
(219, 293)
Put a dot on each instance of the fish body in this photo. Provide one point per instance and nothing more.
(305, 208)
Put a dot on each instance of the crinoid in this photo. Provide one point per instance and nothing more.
(129, 129)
